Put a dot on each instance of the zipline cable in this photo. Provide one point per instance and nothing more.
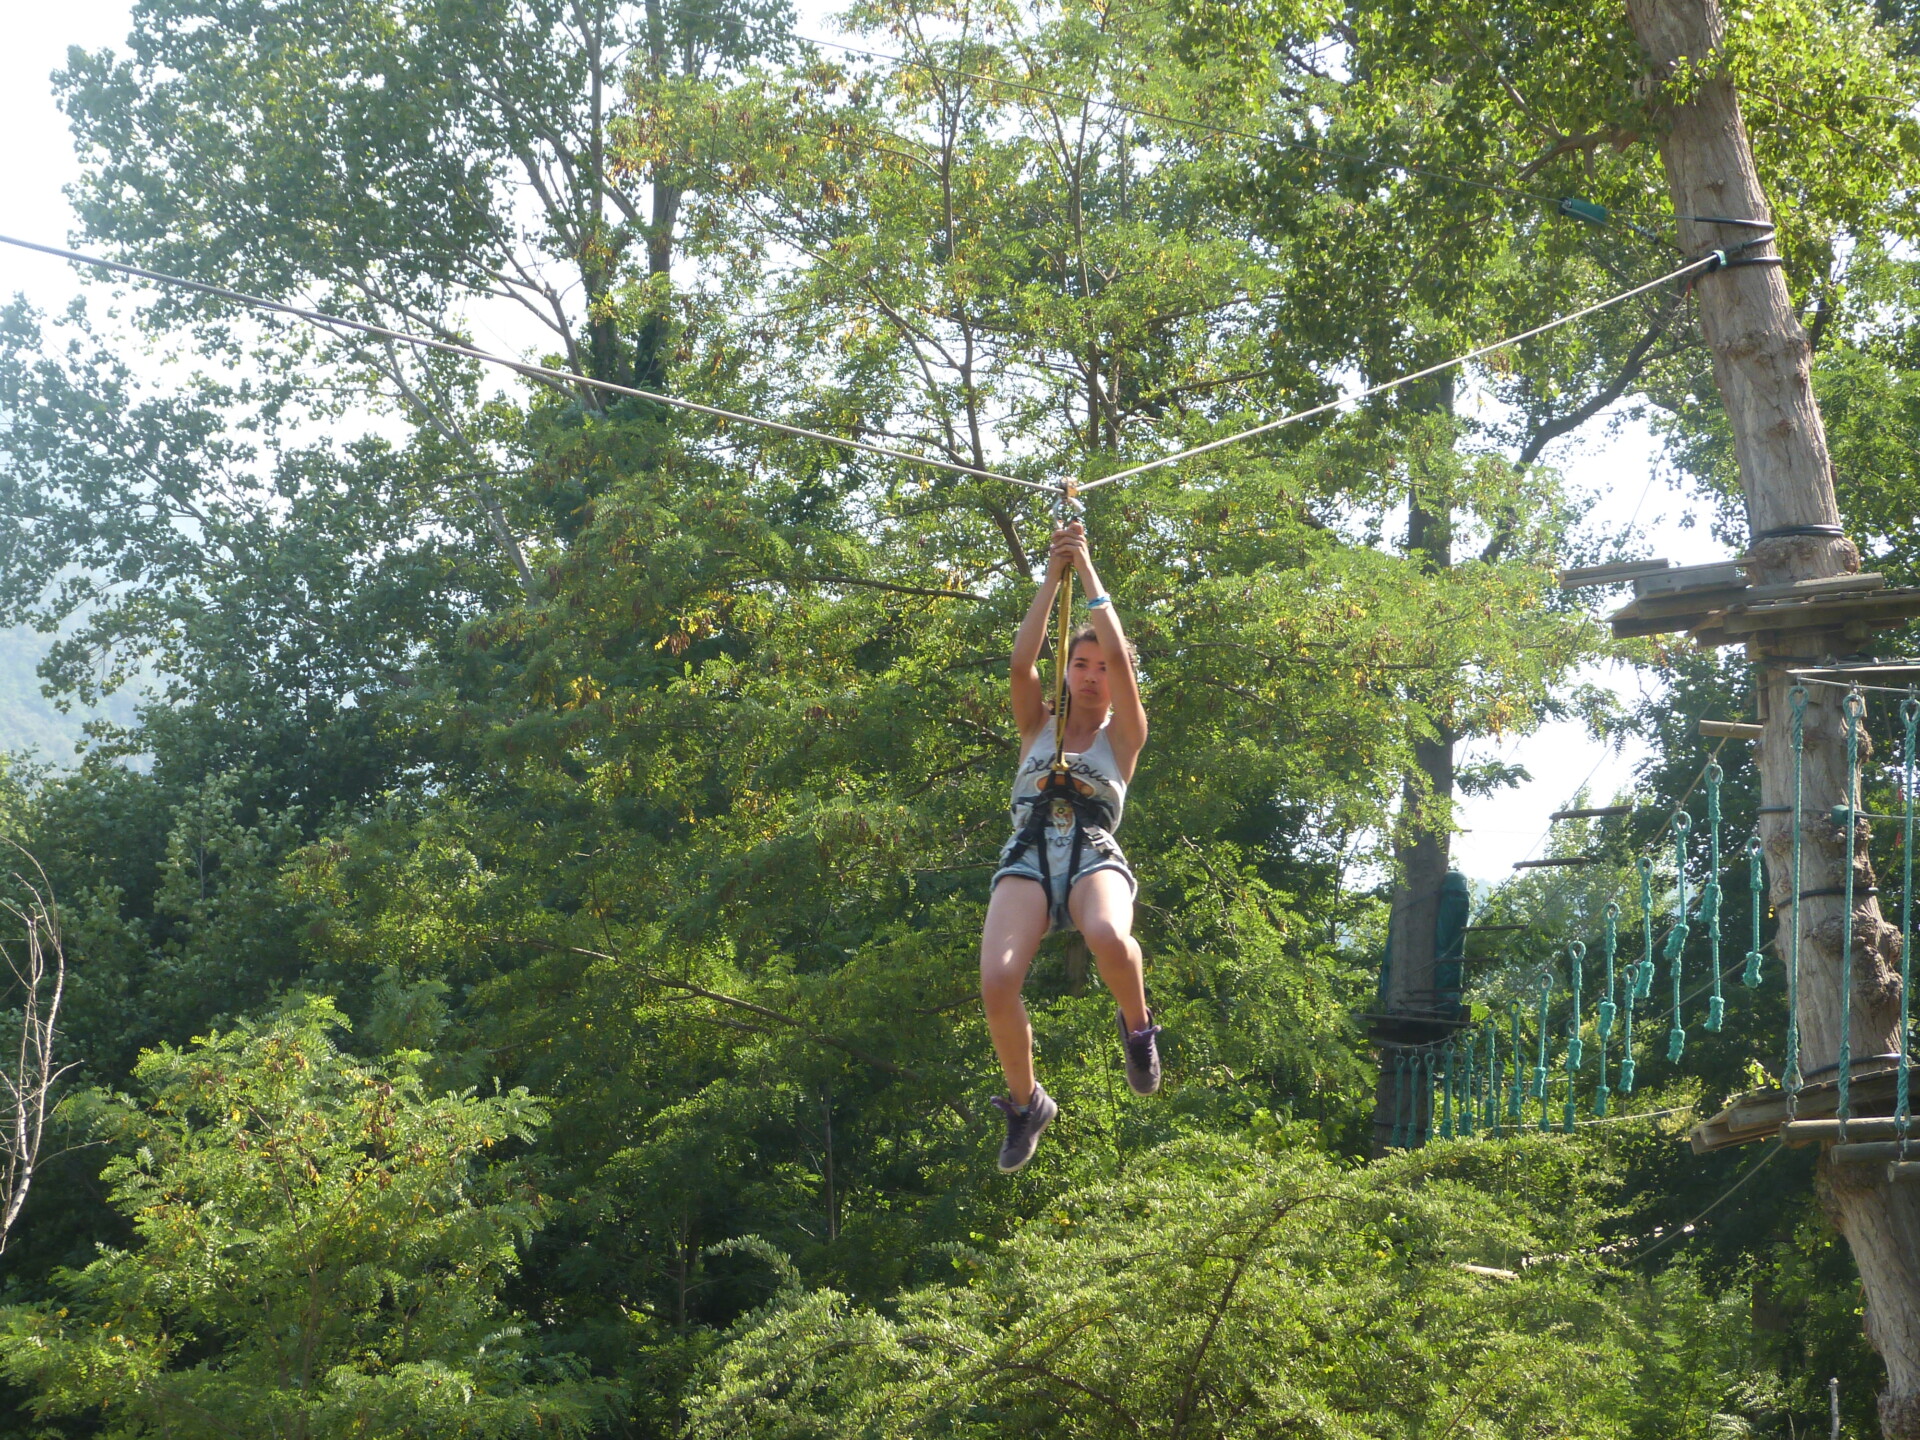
(522, 367)
(1700, 266)
(1683, 1231)
(319, 318)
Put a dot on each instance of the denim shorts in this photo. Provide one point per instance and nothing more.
(1098, 851)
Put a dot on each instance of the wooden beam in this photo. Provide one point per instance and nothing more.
(1731, 730)
(1618, 573)
(1592, 812)
(1717, 575)
(1551, 864)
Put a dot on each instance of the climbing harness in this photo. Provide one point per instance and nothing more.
(1058, 802)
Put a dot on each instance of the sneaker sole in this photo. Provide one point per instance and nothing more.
(1006, 1169)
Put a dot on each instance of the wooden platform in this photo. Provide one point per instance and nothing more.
(1715, 605)
(1759, 1114)
(1855, 614)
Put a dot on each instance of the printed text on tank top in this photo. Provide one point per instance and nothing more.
(1094, 771)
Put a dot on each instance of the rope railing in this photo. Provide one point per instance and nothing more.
(1607, 1015)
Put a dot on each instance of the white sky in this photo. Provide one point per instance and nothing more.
(1617, 465)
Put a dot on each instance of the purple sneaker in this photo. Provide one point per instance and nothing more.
(1024, 1131)
(1143, 1056)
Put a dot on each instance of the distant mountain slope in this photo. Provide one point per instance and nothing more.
(30, 721)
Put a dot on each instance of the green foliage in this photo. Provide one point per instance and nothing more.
(658, 767)
(1218, 1290)
(319, 1250)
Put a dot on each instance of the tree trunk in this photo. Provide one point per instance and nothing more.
(1762, 363)
(1422, 843)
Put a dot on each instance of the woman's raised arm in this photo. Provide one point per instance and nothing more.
(1029, 700)
(1127, 732)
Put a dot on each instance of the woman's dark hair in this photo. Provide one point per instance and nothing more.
(1084, 632)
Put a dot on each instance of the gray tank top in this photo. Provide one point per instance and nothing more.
(1096, 770)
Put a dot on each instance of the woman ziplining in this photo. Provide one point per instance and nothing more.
(1062, 869)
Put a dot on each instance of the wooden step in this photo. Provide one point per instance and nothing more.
(1861, 1127)
(1853, 1154)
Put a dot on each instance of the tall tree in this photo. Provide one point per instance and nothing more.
(1762, 366)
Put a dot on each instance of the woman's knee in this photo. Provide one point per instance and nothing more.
(1104, 935)
(1000, 984)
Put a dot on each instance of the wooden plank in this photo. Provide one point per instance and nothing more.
(1759, 1113)
(1617, 573)
(1555, 864)
(1830, 585)
(1861, 1127)
(1731, 730)
(1884, 607)
(1718, 575)
(1686, 602)
(1870, 1151)
(1592, 812)
(1662, 625)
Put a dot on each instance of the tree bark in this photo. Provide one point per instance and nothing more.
(1762, 362)
(1422, 844)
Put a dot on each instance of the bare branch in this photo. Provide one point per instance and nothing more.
(33, 1072)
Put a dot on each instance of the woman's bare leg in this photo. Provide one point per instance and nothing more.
(1102, 908)
(1016, 924)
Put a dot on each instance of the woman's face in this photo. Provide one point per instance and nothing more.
(1087, 677)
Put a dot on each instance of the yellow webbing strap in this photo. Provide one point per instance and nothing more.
(1061, 697)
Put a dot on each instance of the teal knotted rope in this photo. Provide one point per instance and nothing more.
(1446, 1092)
(1757, 879)
(1910, 717)
(1607, 1009)
(1426, 1118)
(1676, 947)
(1515, 1092)
(1398, 1139)
(1854, 709)
(1492, 1111)
(1576, 958)
(1630, 990)
(1710, 897)
(1643, 973)
(1466, 1095)
(1790, 1076)
(1540, 1065)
